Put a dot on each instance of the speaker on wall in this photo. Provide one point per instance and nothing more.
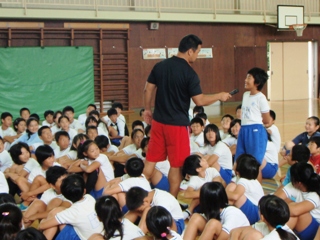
(154, 26)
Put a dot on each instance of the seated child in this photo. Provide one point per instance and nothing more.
(273, 130)
(238, 111)
(45, 134)
(134, 178)
(64, 124)
(217, 153)
(5, 158)
(204, 118)
(274, 216)
(232, 139)
(31, 135)
(81, 219)
(115, 225)
(299, 153)
(217, 220)
(24, 113)
(93, 121)
(19, 126)
(200, 173)
(50, 199)
(63, 141)
(92, 132)
(246, 191)
(105, 146)
(159, 222)
(126, 140)
(56, 117)
(141, 113)
(139, 202)
(101, 124)
(4, 188)
(36, 182)
(6, 132)
(48, 115)
(196, 137)
(74, 124)
(270, 164)
(10, 221)
(314, 147)
(116, 127)
(83, 117)
(305, 210)
(225, 126)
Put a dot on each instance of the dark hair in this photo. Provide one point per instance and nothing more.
(147, 129)
(6, 114)
(56, 114)
(24, 109)
(117, 105)
(137, 123)
(227, 116)
(189, 42)
(84, 148)
(276, 212)
(79, 137)
(30, 119)
(10, 221)
(198, 109)
(304, 173)
(211, 127)
(91, 127)
(202, 115)
(159, 221)
(60, 133)
(112, 111)
(109, 213)
(102, 141)
(196, 120)
(273, 114)
(54, 173)
(62, 117)
(90, 119)
(15, 152)
(43, 152)
(135, 197)
(300, 153)
(191, 164)
(48, 112)
(92, 105)
(260, 77)
(134, 132)
(16, 122)
(233, 122)
(30, 233)
(315, 119)
(212, 192)
(247, 166)
(141, 111)
(143, 144)
(239, 107)
(34, 115)
(72, 187)
(134, 167)
(40, 130)
(94, 112)
(315, 140)
(6, 198)
(67, 109)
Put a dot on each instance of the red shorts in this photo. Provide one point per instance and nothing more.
(168, 141)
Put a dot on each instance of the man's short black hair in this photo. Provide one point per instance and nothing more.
(189, 42)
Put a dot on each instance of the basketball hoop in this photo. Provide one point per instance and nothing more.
(298, 28)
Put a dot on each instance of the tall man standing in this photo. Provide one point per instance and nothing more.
(175, 82)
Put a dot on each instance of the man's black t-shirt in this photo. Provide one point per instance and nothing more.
(176, 83)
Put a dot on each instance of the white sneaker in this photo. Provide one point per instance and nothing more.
(184, 184)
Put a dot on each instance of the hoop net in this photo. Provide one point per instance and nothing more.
(298, 28)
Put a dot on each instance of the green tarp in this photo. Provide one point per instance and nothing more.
(48, 78)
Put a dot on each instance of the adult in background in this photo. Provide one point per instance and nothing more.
(175, 82)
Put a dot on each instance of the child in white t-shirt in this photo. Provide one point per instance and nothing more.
(134, 178)
(64, 124)
(232, 139)
(200, 173)
(6, 132)
(273, 130)
(5, 158)
(63, 141)
(78, 221)
(225, 126)
(56, 117)
(4, 188)
(246, 191)
(74, 124)
(49, 121)
(105, 146)
(196, 136)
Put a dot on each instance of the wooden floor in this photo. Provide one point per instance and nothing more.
(290, 119)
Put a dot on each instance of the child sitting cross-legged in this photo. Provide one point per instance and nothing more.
(246, 191)
(200, 173)
(79, 221)
(134, 178)
(50, 199)
(314, 147)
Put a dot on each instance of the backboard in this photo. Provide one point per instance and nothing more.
(289, 15)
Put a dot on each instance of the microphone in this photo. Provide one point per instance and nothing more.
(234, 91)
